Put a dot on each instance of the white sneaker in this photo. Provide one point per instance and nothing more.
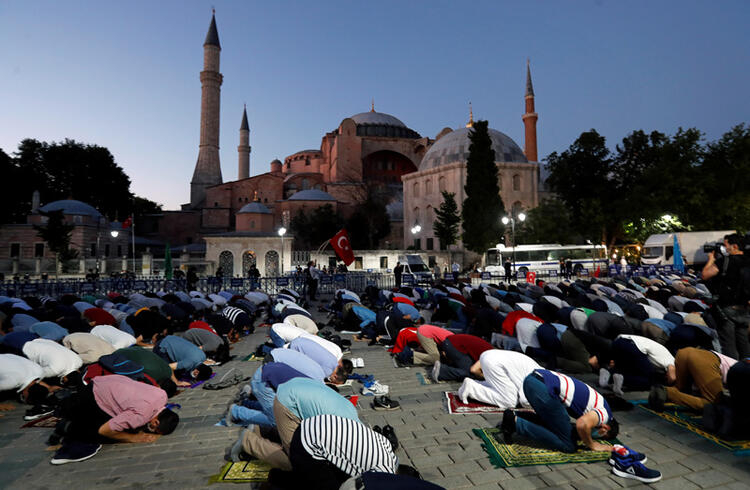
(358, 362)
(604, 376)
(435, 374)
(375, 389)
(617, 380)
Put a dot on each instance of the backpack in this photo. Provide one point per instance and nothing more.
(118, 364)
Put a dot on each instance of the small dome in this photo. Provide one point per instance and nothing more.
(311, 195)
(72, 207)
(454, 147)
(254, 207)
(378, 118)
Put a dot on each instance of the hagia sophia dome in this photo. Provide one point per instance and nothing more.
(454, 147)
(373, 123)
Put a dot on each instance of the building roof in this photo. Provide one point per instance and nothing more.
(529, 85)
(212, 37)
(72, 207)
(254, 207)
(311, 195)
(454, 147)
(377, 118)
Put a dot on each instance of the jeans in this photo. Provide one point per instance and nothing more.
(457, 365)
(733, 323)
(276, 338)
(556, 432)
(265, 396)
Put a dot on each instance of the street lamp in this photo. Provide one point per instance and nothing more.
(282, 232)
(414, 230)
(521, 217)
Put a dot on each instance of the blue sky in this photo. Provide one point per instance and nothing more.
(125, 74)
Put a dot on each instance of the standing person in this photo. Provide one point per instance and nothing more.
(313, 275)
(397, 271)
(562, 268)
(192, 279)
(507, 266)
(624, 264)
(455, 268)
(568, 267)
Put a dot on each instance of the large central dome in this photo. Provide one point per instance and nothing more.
(382, 125)
(454, 147)
(378, 118)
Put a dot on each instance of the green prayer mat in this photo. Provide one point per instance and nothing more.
(243, 472)
(252, 357)
(683, 417)
(424, 379)
(508, 455)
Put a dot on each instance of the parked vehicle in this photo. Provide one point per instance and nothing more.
(659, 248)
(414, 265)
(545, 257)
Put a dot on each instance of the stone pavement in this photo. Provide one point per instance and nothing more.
(441, 446)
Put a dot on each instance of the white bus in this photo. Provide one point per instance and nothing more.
(546, 257)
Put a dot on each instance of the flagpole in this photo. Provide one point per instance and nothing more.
(132, 234)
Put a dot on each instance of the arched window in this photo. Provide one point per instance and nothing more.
(517, 208)
(248, 260)
(305, 184)
(226, 262)
(428, 218)
(516, 182)
(441, 184)
(416, 189)
(416, 216)
(428, 187)
(272, 263)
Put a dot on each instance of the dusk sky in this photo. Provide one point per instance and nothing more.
(124, 74)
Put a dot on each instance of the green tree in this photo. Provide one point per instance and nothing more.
(56, 232)
(447, 220)
(550, 222)
(483, 205)
(315, 228)
(368, 224)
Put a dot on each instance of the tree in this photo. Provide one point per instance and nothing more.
(447, 220)
(550, 222)
(483, 206)
(369, 223)
(56, 232)
(315, 228)
(68, 170)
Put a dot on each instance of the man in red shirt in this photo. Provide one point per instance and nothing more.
(458, 353)
(430, 337)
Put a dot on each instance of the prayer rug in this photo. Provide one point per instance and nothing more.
(456, 406)
(424, 379)
(252, 357)
(197, 383)
(508, 455)
(683, 417)
(46, 422)
(243, 472)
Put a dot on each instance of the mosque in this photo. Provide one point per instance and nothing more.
(365, 151)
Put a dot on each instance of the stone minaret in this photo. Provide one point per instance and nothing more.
(208, 168)
(243, 151)
(529, 119)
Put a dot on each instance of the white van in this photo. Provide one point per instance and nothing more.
(414, 265)
(659, 248)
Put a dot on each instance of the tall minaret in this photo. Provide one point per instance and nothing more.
(243, 151)
(208, 168)
(529, 119)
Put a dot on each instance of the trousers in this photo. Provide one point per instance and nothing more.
(699, 367)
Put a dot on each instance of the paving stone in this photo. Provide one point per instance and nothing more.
(678, 483)
(709, 478)
(455, 481)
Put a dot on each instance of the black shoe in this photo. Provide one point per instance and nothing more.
(385, 403)
(38, 411)
(390, 434)
(74, 452)
(376, 428)
(657, 398)
(508, 425)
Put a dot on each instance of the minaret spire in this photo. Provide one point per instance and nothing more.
(372, 105)
(244, 149)
(529, 119)
(208, 167)
(470, 124)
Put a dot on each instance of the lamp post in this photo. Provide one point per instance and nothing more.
(282, 232)
(415, 230)
(509, 219)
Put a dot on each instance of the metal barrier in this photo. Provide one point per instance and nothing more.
(327, 284)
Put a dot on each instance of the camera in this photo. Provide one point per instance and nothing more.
(718, 249)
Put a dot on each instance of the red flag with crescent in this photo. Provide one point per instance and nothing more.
(343, 247)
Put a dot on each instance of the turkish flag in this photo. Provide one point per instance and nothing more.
(126, 224)
(342, 246)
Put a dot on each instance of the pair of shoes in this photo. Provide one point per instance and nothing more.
(617, 381)
(375, 389)
(38, 411)
(74, 451)
(621, 451)
(604, 376)
(435, 373)
(358, 362)
(657, 398)
(508, 425)
(630, 468)
(385, 403)
(388, 432)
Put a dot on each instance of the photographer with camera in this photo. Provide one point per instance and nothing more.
(731, 268)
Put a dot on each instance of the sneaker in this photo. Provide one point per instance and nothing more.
(621, 452)
(508, 425)
(604, 376)
(385, 403)
(38, 411)
(617, 381)
(630, 468)
(375, 389)
(435, 373)
(228, 417)
(657, 398)
(390, 434)
(74, 451)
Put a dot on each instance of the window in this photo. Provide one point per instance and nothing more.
(358, 263)
(431, 261)
(428, 217)
(417, 243)
(106, 250)
(305, 184)
(517, 208)
(15, 250)
(92, 249)
(38, 250)
(429, 245)
(516, 182)
(77, 220)
(428, 187)
(384, 262)
(307, 162)
(119, 250)
(239, 199)
(441, 184)
(416, 189)
(252, 224)
(216, 204)
(416, 215)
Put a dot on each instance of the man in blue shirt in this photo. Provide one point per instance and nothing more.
(183, 357)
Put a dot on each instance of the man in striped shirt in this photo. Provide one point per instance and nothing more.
(555, 398)
(328, 449)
